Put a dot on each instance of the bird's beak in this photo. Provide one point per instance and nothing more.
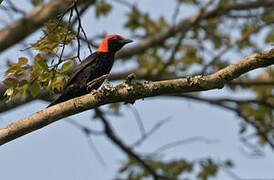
(125, 41)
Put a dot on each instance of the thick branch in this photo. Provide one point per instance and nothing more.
(130, 91)
(20, 29)
(18, 101)
(186, 24)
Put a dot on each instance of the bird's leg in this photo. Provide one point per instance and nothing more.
(95, 81)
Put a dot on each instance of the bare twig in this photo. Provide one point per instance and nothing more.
(85, 129)
(138, 120)
(228, 47)
(182, 35)
(186, 24)
(112, 136)
(87, 132)
(64, 43)
(150, 132)
(255, 150)
(14, 8)
(98, 156)
(176, 12)
(88, 41)
(78, 32)
(80, 27)
(183, 142)
(259, 130)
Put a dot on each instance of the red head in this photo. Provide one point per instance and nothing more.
(112, 43)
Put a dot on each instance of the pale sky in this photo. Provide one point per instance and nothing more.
(60, 151)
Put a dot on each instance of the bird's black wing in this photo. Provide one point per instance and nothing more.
(81, 66)
(68, 93)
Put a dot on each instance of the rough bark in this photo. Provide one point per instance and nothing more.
(132, 90)
(33, 20)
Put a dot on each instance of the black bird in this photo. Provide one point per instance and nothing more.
(99, 63)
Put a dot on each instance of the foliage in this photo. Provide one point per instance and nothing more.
(37, 2)
(174, 169)
(102, 8)
(204, 47)
(23, 77)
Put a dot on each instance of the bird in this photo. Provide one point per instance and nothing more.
(87, 75)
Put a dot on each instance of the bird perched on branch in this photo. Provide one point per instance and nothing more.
(90, 74)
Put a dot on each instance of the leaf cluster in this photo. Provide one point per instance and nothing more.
(174, 169)
(25, 77)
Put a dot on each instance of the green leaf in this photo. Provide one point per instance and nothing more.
(34, 89)
(23, 90)
(66, 66)
(40, 61)
(55, 33)
(36, 2)
(270, 37)
(58, 82)
(12, 70)
(10, 82)
(102, 8)
(133, 19)
(22, 61)
(208, 168)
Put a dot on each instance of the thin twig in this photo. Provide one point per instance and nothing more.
(78, 32)
(229, 46)
(93, 147)
(176, 12)
(80, 27)
(182, 35)
(138, 120)
(112, 136)
(87, 132)
(51, 30)
(236, 110)
(84, 128)
(64, 43)
(183, 142)
(14, 8)
(150, 132)
(256, 152)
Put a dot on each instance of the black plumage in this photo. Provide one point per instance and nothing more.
(94, 66)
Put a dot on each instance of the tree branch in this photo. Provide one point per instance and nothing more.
(186, 24)
(113, 137)
(130, 90)
(19, 30)
(22, 28)
(219, 102)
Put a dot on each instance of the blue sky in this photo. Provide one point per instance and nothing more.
(60, 151)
